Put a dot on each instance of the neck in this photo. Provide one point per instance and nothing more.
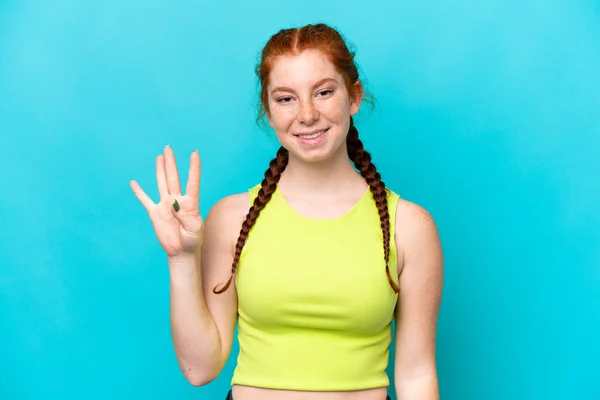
(333, 175)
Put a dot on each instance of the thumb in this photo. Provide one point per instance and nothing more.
(187, 220)
(175, 207)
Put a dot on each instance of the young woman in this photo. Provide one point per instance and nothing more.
(315, 262)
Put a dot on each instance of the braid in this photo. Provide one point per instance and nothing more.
(268, 186)
(362, 160)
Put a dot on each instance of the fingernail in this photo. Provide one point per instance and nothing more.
(195, 150)
(176, 206)
(167, 146)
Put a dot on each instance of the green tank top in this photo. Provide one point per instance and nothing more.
(314, 303)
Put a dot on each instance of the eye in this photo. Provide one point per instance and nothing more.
(325, 92)
(285, 99)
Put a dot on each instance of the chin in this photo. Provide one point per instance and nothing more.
(315, 156)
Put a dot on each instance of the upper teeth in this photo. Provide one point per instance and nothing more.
(314, 135)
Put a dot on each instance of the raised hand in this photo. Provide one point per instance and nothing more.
(176, 218)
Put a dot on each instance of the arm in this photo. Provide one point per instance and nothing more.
(421, 282)
(203, 323)
(200, 256)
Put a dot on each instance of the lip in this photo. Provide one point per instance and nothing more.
(310, 132)
(313, 142)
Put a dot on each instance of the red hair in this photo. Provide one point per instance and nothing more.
(292, 42)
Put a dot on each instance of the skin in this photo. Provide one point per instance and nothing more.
(305, 93)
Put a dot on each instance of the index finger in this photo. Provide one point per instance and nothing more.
(193, 183)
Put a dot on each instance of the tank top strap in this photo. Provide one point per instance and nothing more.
(392, 199)
(253, 193)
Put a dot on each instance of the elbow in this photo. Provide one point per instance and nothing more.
(198, 379)
(199, 374)
(200, 371)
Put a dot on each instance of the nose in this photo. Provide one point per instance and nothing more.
(308, 113)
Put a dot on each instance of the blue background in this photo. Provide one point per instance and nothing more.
(487, 116)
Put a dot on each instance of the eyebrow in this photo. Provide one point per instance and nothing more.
(287, 89)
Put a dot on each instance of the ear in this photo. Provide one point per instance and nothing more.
(356, 97)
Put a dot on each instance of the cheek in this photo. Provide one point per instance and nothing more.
(337, 111)
(281, 119)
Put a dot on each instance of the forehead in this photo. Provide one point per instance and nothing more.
(302, 69)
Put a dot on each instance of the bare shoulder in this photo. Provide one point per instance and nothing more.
(412, 216)
(416, 229)
(232, 204)
(228, 212)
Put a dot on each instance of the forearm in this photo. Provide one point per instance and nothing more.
(195, 335)
(423, 387)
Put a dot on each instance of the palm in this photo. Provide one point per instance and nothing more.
(181, 231)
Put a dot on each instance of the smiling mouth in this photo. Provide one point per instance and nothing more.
(312, 135)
